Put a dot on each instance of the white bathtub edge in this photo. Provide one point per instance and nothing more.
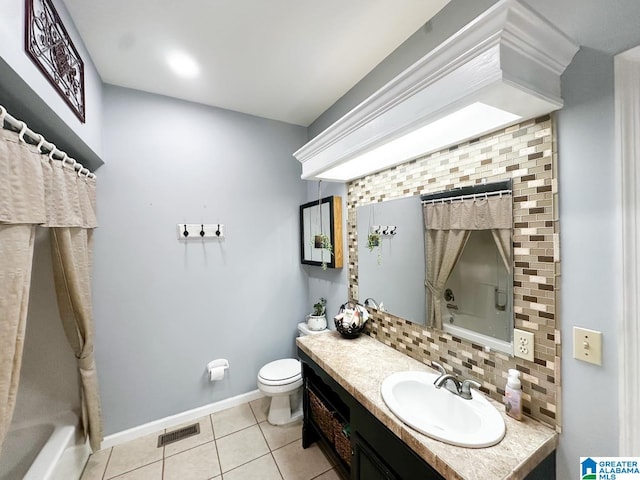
(72, 463)
(479, 338)
(63, 437)
(172, 420)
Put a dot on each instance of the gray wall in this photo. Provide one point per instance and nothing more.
(331, 283)
(163, 307)
(590, 248)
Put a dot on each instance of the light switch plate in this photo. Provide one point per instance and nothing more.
(587, 345)
(523, 344)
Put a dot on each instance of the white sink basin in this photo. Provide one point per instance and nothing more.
(440, 414)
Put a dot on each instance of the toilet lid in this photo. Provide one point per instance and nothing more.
(281, 372)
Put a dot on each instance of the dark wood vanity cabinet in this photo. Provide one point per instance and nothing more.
(373, 451)
(378, 453)
(360, 445)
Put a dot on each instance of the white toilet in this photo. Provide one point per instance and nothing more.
(282, 381)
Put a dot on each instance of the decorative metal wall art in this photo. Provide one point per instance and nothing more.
(51, 49)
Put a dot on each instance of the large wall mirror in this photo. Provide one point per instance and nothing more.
(476, 301)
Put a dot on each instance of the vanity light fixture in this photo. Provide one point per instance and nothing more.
(183, 64)
(501, 68)
(468, 122)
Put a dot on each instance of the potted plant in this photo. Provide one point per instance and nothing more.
(322, 241)
(374, 240)
(317, 320)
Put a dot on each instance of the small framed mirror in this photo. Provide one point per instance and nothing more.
(321, 232)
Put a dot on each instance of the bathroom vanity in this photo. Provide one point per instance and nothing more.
(344, 411)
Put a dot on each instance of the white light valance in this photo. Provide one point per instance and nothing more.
(502, 67)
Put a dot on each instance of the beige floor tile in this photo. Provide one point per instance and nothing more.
(263, 468)
(199, 463)
(330, 475)
(279, 436)
(205, 436)
(297, 463)
(241, 447)
(148, 472)
(232, 420)
(96, 465)
(260, 408)
(133, 454)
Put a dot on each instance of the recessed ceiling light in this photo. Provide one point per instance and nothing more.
(183, 64)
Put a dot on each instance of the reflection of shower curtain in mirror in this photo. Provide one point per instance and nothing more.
(38, 190)
(448, 224)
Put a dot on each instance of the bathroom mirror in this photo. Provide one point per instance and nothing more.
(321, 232)
(477, 303)
(392, 271)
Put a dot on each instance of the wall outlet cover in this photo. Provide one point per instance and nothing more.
(587, 345)
(523, 344)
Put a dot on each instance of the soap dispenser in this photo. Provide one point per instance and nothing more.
(513, 394)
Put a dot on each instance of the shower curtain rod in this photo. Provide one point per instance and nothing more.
(42, 143)
(466, 197)
(471, 191)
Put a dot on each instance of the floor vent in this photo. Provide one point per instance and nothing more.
(180, 434)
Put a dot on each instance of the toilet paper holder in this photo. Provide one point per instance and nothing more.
(216, 368)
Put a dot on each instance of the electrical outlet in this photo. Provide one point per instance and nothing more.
(587, 345)
(523, 344)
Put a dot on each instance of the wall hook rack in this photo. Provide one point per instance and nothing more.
(196, 231)
(385, 229)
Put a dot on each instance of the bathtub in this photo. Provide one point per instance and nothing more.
(465, 326)
(45, 451)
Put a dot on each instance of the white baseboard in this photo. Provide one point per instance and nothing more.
(183, 417)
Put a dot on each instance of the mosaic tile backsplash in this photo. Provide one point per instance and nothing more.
(526, 154)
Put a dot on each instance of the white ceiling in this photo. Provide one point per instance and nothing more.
(287, 60)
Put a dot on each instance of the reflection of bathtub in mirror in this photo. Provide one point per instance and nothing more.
(486, 326)
(494, 334)
(461, 330)
(481, 286)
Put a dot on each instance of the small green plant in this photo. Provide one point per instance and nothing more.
(375, 240)
(322, 241)
(319, 308)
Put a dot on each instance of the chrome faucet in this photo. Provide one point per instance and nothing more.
(453, 384)
(450, 382)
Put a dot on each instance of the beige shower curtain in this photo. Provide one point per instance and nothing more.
(16, 255)
(447, 228)
(36, 190)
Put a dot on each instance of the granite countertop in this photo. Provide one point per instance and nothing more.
(360, 365)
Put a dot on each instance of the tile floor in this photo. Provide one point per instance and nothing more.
(234, 444)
